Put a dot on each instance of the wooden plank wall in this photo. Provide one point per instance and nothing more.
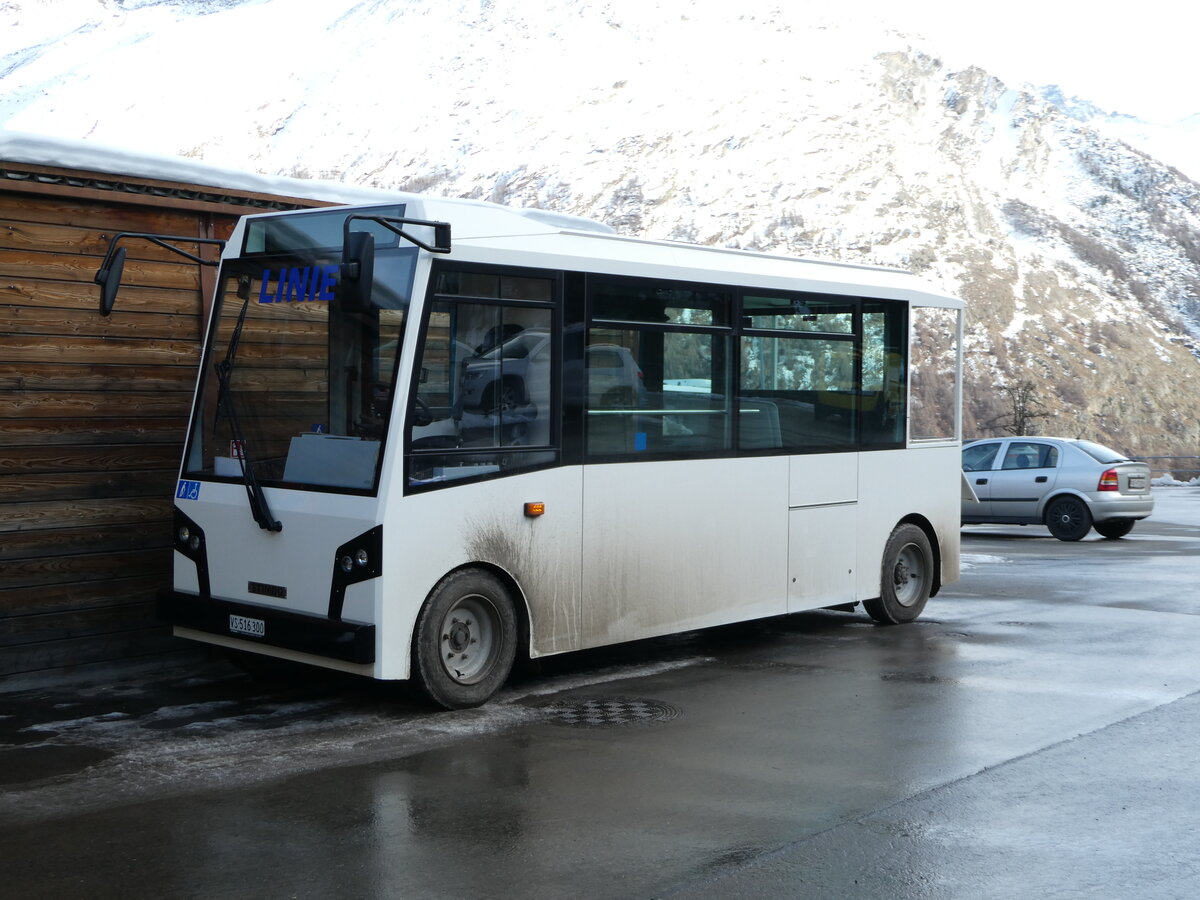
(93, 412)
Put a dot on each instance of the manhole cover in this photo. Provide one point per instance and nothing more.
(601, 712)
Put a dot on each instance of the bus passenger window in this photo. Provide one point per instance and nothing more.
(810, 386)
(655, 392)
(884, 379)
(482, 399)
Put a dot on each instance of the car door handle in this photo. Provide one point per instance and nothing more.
(1041, 479)
(981, 481)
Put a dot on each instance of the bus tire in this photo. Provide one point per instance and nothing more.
(465, 640)
(906, 577)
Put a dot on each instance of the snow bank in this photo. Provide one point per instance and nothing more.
(1168, 480)
(34, 149)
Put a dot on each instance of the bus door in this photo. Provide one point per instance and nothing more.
(800, 354)
(679, 530)
(822, 530)
(485, 484)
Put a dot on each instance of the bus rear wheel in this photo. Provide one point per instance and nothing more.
(465, 640)
(906, 577)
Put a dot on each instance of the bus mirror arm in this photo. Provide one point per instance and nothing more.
(109, 274)
(357, 271)
(441, 231)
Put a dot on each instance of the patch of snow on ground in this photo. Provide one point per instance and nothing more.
(971, 560)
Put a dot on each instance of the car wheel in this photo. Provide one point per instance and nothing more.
(504, 396)
(618, 397)
(465, 640)
(1114, 528)
(1068, 519)
(906, 577)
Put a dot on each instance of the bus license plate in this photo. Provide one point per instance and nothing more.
(247, 626)
(1137, 482)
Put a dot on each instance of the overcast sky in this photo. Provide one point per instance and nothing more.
(1131, 56)
(1137, 56)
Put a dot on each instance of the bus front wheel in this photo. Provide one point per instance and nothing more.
(906, 577)
(465, 640)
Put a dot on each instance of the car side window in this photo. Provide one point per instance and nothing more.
(1030, 455)
(979, 457)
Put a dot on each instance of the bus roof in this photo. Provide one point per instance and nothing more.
(488, 233)
(500, 235)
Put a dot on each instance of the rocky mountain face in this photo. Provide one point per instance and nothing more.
(757, 125)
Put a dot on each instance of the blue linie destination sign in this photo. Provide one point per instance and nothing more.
(298, 284)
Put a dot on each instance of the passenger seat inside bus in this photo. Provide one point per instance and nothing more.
(759, 424)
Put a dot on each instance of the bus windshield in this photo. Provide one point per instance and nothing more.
(296, 391)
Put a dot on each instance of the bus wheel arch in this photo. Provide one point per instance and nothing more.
(908, 573)
(466, 637)
(934, 544)
(520, 605)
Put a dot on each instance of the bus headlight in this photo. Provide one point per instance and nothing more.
(356, 560)
(189, 537)
(189, 541)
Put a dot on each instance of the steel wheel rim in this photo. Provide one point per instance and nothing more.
(467, 639)
(908, 575)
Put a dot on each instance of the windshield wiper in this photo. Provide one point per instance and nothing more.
(258, 500)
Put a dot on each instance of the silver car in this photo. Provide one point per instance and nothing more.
(1067, 485)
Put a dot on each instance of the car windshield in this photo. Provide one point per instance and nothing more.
(1100, 453)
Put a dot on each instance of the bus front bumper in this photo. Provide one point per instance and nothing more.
(339, 639)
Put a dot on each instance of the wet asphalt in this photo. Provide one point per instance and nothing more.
(1034, 734)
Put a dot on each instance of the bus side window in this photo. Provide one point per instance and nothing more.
(809, 384)
(657, 392)
(482, 395)
(884, 378)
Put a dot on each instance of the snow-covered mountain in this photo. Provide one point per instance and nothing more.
(1174, 143)
(757, 124)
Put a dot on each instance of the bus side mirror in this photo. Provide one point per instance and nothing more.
(441, 237)
(109, 279)
(357, 271)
